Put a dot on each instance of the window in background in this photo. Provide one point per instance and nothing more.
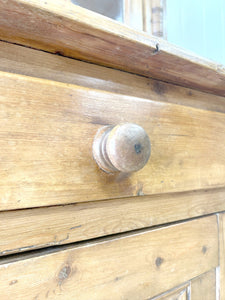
(195, 25)
(109, 8)
(129, 12)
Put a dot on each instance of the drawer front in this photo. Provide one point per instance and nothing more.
(46, 136)
(136, 266)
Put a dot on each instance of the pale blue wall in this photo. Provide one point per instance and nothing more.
(197, 25)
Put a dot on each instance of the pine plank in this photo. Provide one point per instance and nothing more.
(51, 226)
(204, 287)
(130, 267)
(46, 135)
(60, 27)
(30, 62)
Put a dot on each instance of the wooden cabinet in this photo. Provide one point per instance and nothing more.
(69, 230)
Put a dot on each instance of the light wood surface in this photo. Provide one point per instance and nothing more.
(204, 286)
(221, 219)
(59, 27)
(46, 134)
(130, 267)
(47, 131)
(26, 61)
(51, 226)
(180, 293)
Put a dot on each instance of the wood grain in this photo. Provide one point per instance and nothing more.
(221, 219)
(46, 135)
(204, 287)
(51, 226)
(25, 61)
(59, 27)
(136, 266)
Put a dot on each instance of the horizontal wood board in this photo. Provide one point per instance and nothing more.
(51, 226)
(30, 62)
(58, 26)
(47, 130)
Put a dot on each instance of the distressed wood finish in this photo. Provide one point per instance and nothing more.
(124, 148)
(60, 27)
(51, 226)
(204, 287)
(47, 128)
(47, 131)
(25, 61)
(136, 266)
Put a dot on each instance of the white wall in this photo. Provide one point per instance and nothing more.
(197, 25)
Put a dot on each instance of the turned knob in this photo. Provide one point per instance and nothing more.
(122, 148)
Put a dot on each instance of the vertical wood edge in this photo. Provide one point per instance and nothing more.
(221, 269)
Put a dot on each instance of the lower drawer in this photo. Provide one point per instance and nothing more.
(135, 266)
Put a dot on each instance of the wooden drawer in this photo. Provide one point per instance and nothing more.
(47, 131)
(135, 266)
(48, 122)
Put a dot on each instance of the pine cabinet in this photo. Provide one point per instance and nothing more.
(142, 219)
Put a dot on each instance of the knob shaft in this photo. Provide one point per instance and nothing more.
(123, 148)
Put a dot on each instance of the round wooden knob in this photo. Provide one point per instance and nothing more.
(122, 148)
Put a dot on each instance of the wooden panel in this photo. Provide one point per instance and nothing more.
(204, 287)
(47, 130)
(133, 14)
(180, 293)
(147, 13)
(44, 227)
(136, 266)
(157, 18)
(22, 60)
(222, 254)
(75, 32)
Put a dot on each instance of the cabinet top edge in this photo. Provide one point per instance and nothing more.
(63, 28)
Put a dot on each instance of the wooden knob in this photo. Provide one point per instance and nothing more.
(122, 148)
